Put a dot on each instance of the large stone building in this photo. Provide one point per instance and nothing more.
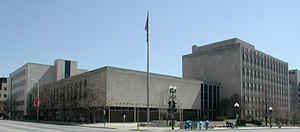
(3, 93)
(294, 77)
(120, 91)
(260, 80)
(23, 79)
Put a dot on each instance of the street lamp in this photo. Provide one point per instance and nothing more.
(270, 112)
(236, 107)
(172, 104)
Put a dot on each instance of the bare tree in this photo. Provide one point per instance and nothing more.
(91, 102)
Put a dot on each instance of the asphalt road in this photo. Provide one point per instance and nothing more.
(18, 126)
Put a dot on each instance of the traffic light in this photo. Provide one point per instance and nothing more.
(174, 106)
(169, 108)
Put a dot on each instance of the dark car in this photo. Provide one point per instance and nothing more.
(3, 116)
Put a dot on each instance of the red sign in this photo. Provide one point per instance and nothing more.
(36, 102)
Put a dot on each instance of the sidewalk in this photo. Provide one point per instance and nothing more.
(125, 126)
(51, 122)
(255, 128)
(134, 127)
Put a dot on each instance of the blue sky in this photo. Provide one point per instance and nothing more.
(100, 33)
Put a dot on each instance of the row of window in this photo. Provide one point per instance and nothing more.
(4, 88)
(256, 74)
(254, 100)
(259, 88)
(4, 95)
(254, 57)
(257, 113)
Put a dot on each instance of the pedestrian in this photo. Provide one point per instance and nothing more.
(206, 124)
(124, 117)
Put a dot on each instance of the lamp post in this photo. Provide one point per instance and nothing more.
(270, 112)
(236, 107)
(172, 104)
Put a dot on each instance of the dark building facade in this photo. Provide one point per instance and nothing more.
(109, 93)
(258, 79)
(294, 77)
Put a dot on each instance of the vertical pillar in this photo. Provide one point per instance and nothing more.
(137, 114)
(158, 113)
(108, 114)
(181, 114)
(197, 111)
(134, 114)
(202, 100)
(208, 101)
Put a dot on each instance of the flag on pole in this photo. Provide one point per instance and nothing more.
(36, 101)
(147, 26)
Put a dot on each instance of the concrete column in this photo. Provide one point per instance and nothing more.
(158, 113)
(137, 114)
(202, 99)
(212, 101)
(134, 114)
(108, 114)
(181, 114)
(197, 111)
(208, 101)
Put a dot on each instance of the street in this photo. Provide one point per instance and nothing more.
(18, 126)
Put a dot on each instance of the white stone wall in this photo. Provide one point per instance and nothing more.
(128, 88)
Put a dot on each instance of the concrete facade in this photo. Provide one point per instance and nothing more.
(259, 80)
(120, 91)
(23, 79)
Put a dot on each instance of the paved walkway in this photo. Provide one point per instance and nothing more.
(134, 126)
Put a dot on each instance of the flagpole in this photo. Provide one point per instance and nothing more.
(148, 109)
(147, 30)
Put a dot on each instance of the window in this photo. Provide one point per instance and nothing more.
(5, 88)
(5, 95)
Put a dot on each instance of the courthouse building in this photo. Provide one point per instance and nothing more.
(121, 92)
(260, 80)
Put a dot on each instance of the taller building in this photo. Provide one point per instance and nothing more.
(294, 77)
(23, 79)
(259, 80)
(3, 93)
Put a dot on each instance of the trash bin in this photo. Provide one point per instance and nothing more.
(188, 125)
(198, 125)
